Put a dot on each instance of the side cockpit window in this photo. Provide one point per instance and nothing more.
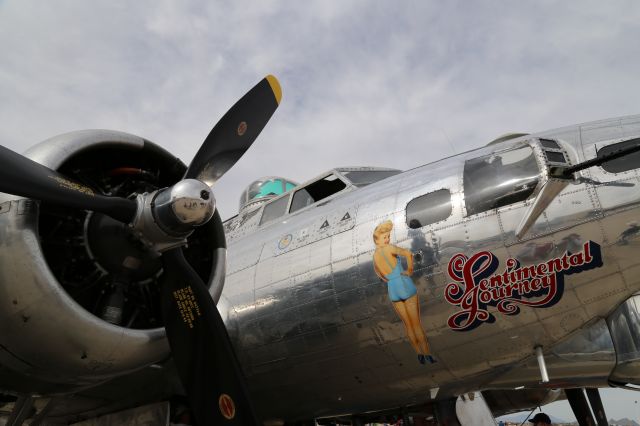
(429, 208)
(316, 191)
(362, 178)
(274, 209)
(499, 179)
(622, 164)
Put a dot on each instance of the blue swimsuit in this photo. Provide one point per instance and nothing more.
(400, 286)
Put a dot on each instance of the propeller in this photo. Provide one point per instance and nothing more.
(201, 348)
(200, 345)
(235, 132)
(26, 178)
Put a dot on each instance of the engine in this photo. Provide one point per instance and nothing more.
(70, 315)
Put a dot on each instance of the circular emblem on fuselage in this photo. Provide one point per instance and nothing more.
(242, 128)
(227, 407)
(285, 241)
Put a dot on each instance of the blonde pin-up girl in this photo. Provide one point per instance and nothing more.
(402, 291)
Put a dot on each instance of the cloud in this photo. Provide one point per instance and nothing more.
(394, 84)
(365, 83)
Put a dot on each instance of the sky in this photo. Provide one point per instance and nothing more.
(618, 404)
(365, 83)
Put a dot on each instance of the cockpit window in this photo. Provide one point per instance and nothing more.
(499, 179)
(274, 209)
(365, 177)
(316, 191)
(622, 164)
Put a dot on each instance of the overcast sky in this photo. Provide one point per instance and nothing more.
(395, 84)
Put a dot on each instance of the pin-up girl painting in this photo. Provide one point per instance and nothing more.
(402, 291)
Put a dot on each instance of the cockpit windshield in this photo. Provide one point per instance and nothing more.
(365, 177)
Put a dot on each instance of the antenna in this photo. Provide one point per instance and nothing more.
(446, 136)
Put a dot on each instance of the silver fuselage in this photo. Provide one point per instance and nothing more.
(311, 321)
(317, 335)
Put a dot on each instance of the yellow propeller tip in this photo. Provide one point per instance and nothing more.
(275, 87)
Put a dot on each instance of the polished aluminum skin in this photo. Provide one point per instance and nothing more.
(313, 325)
(311, 321)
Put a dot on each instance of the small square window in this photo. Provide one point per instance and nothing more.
(549, 143)
(429, 208)
(555, 157)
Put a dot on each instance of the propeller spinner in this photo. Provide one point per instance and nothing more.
(163, 219)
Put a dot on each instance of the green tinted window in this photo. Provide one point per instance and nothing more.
(272, 187)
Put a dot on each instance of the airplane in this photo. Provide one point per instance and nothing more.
(485, 283)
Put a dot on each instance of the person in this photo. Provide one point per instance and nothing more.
(402, 292)
(541, 419)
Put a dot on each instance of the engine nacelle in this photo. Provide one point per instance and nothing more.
(68, 318)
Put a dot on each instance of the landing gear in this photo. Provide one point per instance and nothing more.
(445, 412)
(580, 406)
(596, 406)
(22, 409)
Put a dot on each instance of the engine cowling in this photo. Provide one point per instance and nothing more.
(68, 317)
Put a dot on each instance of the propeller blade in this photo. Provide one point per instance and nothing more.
(201, 348)
(235, 132)
(26, 178)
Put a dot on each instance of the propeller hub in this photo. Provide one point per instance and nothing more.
(186, 204)
(165, 218)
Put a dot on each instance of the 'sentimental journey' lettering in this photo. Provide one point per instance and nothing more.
(477, 285)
